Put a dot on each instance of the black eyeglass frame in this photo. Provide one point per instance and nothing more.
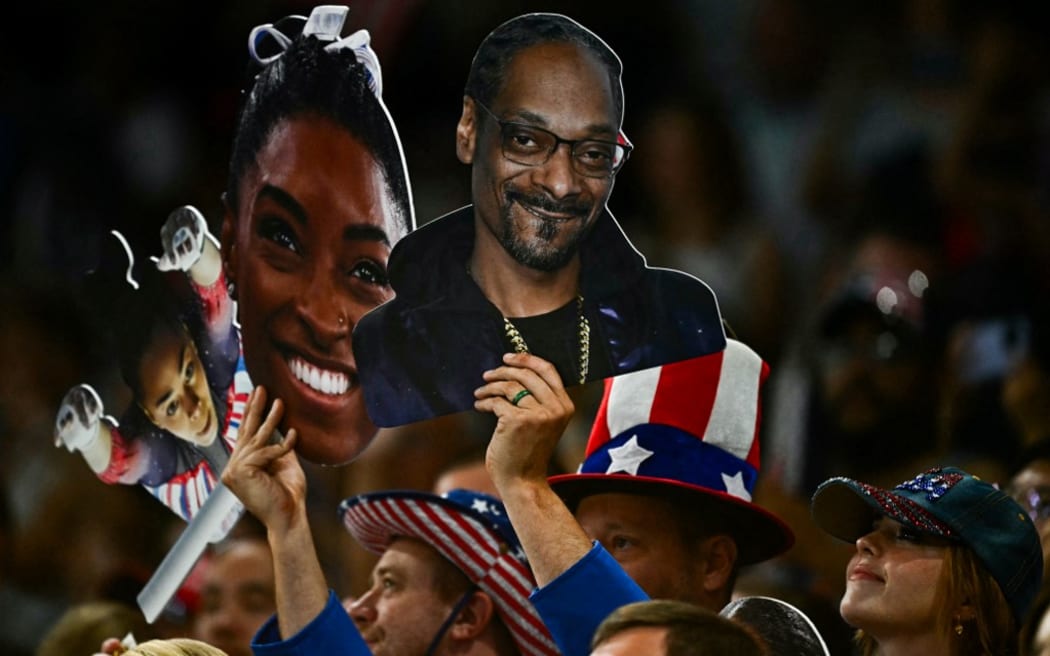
(558, 141)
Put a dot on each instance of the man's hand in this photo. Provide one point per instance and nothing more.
(77, 421)
(271, 484)
(528, 430)
(182, 237)
(267, 476)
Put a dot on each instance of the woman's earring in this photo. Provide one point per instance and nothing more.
(959, 629)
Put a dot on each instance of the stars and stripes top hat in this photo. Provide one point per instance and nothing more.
(948, 503)
(469, 529)
(687, 429)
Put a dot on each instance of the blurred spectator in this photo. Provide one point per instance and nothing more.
(856, 397)
(867, 371)
(694, 214)
(1026, 387)
(988, 319)
(83, 628)
(466, 471)
(1035, 632)
(237, 594)
(673, 628)
(989, 172)
(1030, 487)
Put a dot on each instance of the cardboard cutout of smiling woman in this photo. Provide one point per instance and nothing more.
(317, 195)
(171, 330)
(537, 263)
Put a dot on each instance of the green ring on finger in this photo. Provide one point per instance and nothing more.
(519, 396)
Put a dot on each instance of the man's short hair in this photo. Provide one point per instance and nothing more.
(450, 582)
(691, 630)
(487, 70)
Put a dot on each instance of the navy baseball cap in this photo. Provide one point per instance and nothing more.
(948, 503)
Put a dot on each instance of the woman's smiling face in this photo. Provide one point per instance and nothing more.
(892, 581)
(307, 252)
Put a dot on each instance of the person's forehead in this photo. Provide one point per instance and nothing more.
(166, 343)
(635, 640)
(626, 510)
(164, 347)
(558, 77)
(306, 154)
(166, 350)
(411, 556)
(246, 560)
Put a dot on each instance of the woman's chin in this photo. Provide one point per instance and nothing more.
(327, 445)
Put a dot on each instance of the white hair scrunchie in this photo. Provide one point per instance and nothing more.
(325, 23)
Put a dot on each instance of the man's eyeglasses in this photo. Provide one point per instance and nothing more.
(529, 145)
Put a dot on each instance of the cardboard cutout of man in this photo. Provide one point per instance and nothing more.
(537, 264)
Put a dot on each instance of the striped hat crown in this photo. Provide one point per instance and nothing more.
(690, 426)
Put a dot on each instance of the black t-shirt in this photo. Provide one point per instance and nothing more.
(555, 337)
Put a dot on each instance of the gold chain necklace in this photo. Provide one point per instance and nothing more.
(518, 342)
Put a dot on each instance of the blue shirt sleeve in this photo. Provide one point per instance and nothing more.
(331, 633)
(574, 604)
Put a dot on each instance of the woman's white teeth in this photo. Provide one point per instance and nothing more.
(326, 382)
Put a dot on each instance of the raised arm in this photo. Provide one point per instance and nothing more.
(80, 426)
(518, 456)
(112, 455)
(270, 482)
(190, 247)
(579, 583)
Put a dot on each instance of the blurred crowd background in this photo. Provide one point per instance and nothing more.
(865, 186)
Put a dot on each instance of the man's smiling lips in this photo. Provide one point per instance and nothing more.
(548, 209)
(549, 216)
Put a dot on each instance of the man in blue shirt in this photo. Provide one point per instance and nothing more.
(452, 577)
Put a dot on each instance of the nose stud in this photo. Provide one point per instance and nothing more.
(342, 320)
